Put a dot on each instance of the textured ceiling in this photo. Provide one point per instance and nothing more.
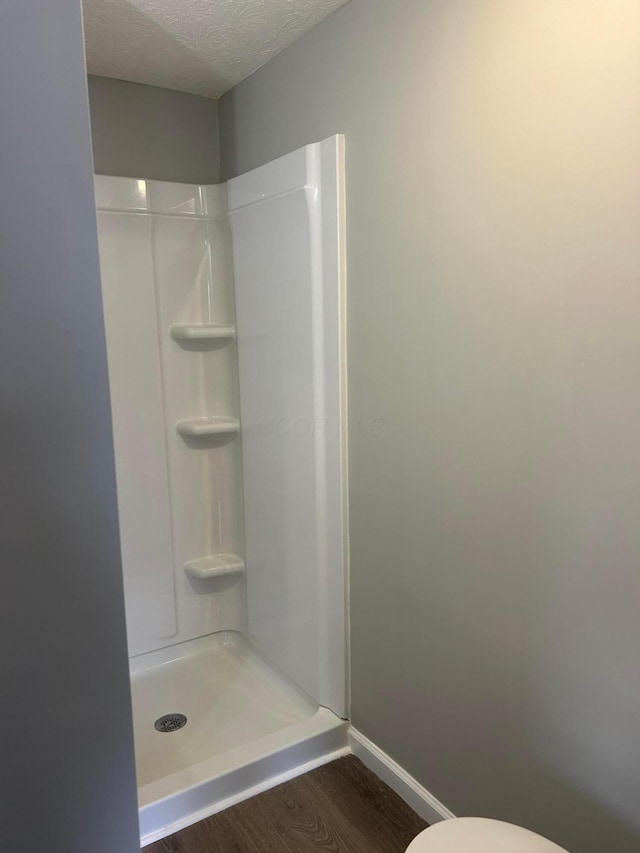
(199, 46)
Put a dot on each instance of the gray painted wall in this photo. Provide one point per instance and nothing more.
(494, 261)
(67, 771)
(147, 132)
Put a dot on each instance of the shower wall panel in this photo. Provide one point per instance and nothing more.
(165, 252)
(138, 426)
(287, 224)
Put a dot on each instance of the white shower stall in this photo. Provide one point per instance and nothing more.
(225, 323)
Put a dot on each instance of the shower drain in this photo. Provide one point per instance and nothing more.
(170, 723)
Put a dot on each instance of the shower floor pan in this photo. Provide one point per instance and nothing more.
(247, 729)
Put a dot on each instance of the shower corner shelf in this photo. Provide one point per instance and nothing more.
(205, 427)
(214, 566)
(202, 333)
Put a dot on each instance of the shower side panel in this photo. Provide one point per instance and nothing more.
(286, 221)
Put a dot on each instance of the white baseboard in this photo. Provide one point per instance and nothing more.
(421, 801)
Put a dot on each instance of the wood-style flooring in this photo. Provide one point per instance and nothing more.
(341, 807)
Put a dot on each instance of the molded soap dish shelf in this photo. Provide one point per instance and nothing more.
(204, 427)
(215, 566)
(202, 333)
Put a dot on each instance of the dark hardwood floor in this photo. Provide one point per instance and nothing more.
(341, 807)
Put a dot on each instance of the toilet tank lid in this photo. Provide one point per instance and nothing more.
(480, 835)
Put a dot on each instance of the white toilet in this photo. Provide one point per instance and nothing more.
(480, 835)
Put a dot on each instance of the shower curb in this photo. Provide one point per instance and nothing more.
(319, 740)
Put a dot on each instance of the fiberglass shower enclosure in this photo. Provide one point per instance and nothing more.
(224, 314)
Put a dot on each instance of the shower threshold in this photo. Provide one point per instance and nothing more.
(247, 728)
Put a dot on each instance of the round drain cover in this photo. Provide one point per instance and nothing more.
(170, 723)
